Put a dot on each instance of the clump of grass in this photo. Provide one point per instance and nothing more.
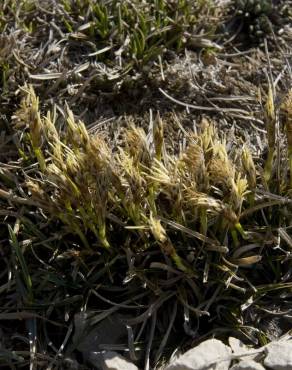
(196, 214)
(87, 180)
(138, 31)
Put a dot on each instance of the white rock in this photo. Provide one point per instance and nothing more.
(110, 360)
(241, 350)
(247, 365)
(114, 361)
(209, 355)
(237, 346)
(279, 355)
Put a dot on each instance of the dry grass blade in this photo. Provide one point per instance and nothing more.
(270, 119)
(286, 108)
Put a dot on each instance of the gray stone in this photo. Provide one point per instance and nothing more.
(279, 355)
(247, 365)
(209, 355)
(242, 351)
(237, 346)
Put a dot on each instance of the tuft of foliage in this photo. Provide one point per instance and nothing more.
(136, 31)
(260, 18)
(200, 225)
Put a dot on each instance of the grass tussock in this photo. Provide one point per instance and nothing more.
(82, 179)
(201, 225)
